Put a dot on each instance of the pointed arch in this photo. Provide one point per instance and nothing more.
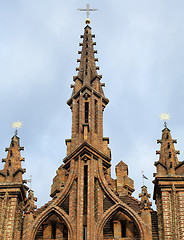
(126, 210)
(45, 214)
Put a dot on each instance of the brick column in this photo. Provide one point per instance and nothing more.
(80, 193)
(166, 206)
(117, 230)
(129, 229)
(59, 230)
(47, 231)
(73, 203)
(10, 226)
(180, 211)
(90, 212)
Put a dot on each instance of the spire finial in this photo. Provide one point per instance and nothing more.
(16, 125)
(87, 10)
(165, 117)
(143, 177)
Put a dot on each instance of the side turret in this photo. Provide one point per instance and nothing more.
(12, 171)
(168, 160)
(12, 192)
(168, 189)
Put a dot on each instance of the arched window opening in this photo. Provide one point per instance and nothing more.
(120, 225)
(170, 155)
(52, 228)
(168, 145)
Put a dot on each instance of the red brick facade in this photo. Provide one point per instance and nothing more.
(86, 202)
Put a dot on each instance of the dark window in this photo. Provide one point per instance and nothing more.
(9, 163)
(167, 136)
(11, 154)
(53, 236)
(86, 45)
(86, 53)
(86, 112)
(85, 188)
(12, 144)
(86, 60)
(171, 165)
(85, 233)
(123, 229)
(96, 116)
(170, 155)
(87, 39)
(77, 116)
(168, 145)
(8, 174)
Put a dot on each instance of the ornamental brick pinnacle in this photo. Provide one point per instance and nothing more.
(87, 204)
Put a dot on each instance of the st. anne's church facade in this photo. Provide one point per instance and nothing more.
(87, 204)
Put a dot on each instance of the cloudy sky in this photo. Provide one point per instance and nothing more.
(141, 55)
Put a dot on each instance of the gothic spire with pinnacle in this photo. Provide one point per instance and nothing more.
(13, 171)
(168, 159)
(88, 100)
(87, 70)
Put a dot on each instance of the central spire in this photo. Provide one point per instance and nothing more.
(87, 101)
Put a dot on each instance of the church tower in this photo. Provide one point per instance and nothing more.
(169, 189)
(12, 192)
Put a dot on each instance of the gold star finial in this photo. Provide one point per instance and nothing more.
(164, 116)
(16, 125)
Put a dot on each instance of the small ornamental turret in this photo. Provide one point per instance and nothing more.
(13, 170)
(29, 203)
(169, 185)
(145, 203)
(12, 189)
(168, 160)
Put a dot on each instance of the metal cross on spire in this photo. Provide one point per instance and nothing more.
(87, 10)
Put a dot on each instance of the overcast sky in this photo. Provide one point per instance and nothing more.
(140, 47)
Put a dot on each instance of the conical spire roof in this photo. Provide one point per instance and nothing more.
(168, 155)
(12, 171)
(87, 70)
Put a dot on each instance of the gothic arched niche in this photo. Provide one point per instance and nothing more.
(120, 226)
(53, 227)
